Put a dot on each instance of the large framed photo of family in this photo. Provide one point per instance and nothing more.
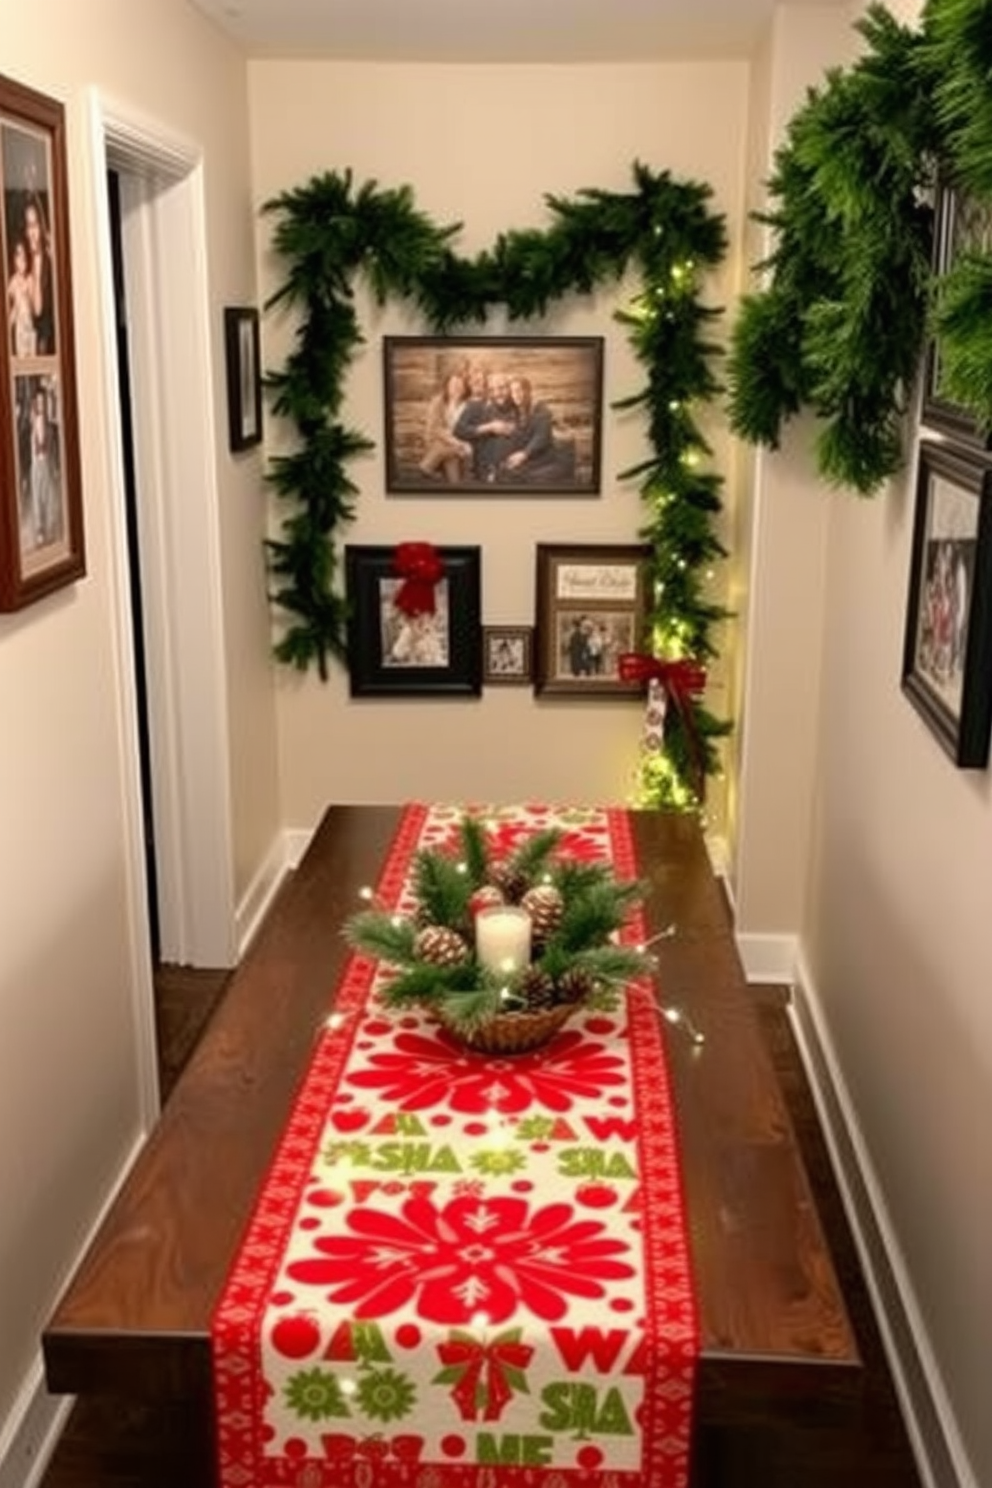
(947, 660)
(41, 510)
(591, 608)
(393, 653)
(493, 416)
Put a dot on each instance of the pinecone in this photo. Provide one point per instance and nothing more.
(535, 989)
(439, 946)
(512, 884)
(574, 985)
(545, 906)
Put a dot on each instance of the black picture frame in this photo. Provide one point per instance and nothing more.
(42, 539)
(507, 655)
(586, 591)
(961, 222)
(441, 655)
(947, 654)
(242, 347)
(546, 443)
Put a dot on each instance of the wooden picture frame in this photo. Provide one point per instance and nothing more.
(42, 543)
(961, 223)
(947, 656)
(493, 415)
(391, 655)
(591, 607)
(242, 347)
(507, 655)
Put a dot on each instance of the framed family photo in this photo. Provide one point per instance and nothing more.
(947, 660)
(507, 655)
(962, 224)
(41, 511)
(591, 608)
(392, 653)
(493, 416)
(244, 377)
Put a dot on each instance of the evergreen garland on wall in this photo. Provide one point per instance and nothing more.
(330, 233)
(850, 296)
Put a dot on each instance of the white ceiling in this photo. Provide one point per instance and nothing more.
(496, 30)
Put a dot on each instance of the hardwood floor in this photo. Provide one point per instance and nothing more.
(110, 1444)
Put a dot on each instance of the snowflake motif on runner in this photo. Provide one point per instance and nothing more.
(465, 1258)
(418, 1071)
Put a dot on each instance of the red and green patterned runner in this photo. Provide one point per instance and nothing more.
(463, 1271)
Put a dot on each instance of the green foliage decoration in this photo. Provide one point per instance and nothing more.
(850, 292)
(594, 906)
(331, 232)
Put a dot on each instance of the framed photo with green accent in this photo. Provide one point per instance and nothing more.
(962, 224)
(947, 660)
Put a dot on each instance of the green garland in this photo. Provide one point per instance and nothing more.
(851, 296)
(330, 233)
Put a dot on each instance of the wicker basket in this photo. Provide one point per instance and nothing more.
(511, 1033)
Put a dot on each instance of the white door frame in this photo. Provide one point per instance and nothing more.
(163, 227)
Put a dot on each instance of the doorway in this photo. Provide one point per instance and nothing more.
(134, 562)
(166, 552)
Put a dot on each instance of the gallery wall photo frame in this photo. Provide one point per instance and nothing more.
(242, 349)
(493, 416)
(392, 654)
(947, 654)
(42, 541)
(507, 655)
(591, 608)
(962, 223)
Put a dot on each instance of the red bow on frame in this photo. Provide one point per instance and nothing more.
(680, 681)
(420, 568)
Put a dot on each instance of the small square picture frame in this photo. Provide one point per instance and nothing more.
(507, 655)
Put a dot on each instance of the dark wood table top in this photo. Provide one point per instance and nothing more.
(136, 1317)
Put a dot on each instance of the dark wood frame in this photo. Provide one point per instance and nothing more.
(954, 533)
(566, 374)
(492, 635)
(936, 411)
(372, 673)
(43, 503)
(242, 351)
(555, 610)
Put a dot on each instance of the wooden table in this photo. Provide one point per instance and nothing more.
(778, 1358)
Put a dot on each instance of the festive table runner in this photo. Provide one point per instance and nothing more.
(463, 1271)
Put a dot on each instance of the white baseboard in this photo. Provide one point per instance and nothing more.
(261, 891)
(295, 844)
(768, 958)
(939, 1450)
(31, 1432)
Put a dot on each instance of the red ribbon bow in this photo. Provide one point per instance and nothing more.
(484, 1369)
(682, 680)
(420, 568)
(339, 1446)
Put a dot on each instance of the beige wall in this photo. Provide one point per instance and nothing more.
(482, 145)
(71, 916)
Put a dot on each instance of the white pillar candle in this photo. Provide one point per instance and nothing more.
(502, 938)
